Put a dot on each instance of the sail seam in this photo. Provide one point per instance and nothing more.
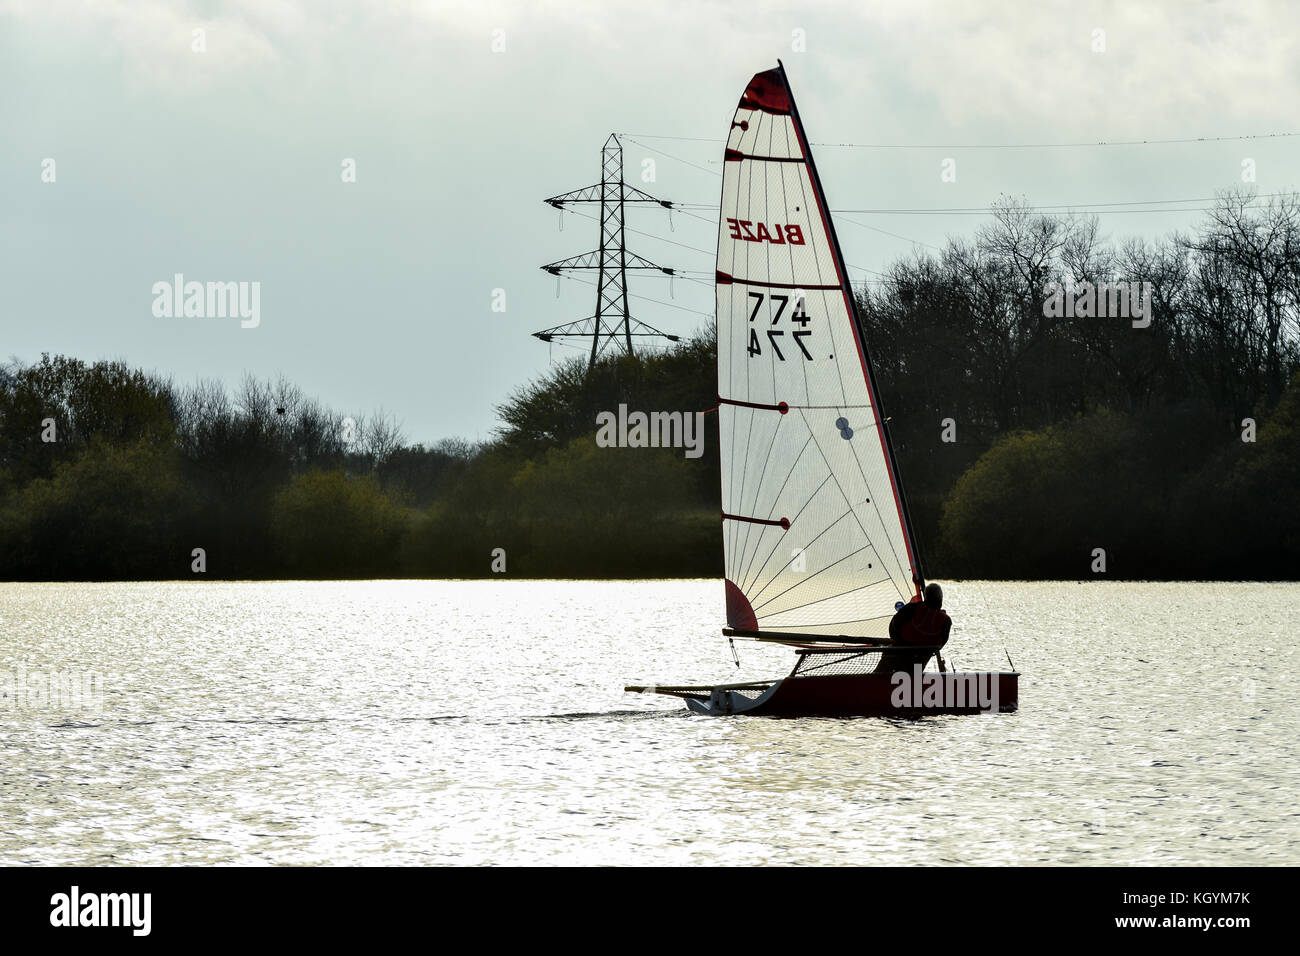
(807, 604)
(871, 499)
(807, 577)
(749, 563)
(796, 517)
(749, 556)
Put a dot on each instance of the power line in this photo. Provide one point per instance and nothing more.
(633, 295)
(650, 235)
(1059, 207)
(687, 162)
(1080, 144)
(678, 158)
(886, 232)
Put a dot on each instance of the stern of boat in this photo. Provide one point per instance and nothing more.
(723, 700)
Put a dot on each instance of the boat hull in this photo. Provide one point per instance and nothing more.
(868, 695)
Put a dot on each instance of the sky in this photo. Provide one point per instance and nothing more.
(222, 156)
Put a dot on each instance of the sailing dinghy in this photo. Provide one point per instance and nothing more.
(819, 549)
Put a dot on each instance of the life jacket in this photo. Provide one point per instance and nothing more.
(927, 627)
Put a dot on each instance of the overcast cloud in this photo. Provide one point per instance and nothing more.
(225, 164)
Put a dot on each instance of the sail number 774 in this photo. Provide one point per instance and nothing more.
(776, 308)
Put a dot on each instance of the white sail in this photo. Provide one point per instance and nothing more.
(814, 527)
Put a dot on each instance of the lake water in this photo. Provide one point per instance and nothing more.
(426, 722)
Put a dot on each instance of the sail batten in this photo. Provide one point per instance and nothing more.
(815, 532)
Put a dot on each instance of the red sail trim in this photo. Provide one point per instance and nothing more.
(784, 523)
(815, 182)
(781, 407)
(739, 612)
(732, 155)
(767, 91)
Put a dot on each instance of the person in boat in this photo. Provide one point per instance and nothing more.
(922, 624)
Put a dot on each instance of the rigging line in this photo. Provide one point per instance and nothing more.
(1080, 144)
(822, 665)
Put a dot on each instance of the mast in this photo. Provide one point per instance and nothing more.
(882, 422)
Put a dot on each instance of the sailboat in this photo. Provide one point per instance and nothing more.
(819, 548)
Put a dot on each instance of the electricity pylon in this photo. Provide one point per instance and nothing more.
(612, 323)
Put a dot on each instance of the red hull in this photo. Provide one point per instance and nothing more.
(868, 695)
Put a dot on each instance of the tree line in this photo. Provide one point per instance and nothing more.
(1027, 438)
(1172, 446)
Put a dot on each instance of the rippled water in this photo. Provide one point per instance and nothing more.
(484, 722)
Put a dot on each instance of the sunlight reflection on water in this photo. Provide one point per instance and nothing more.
(417, 722)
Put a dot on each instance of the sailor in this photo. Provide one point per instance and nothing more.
(920, 624)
